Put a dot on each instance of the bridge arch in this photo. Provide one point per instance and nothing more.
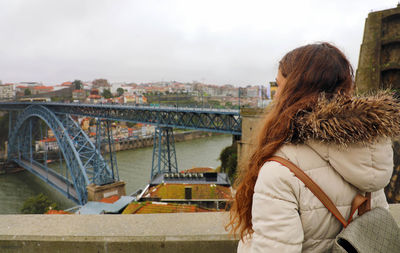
(84, 163)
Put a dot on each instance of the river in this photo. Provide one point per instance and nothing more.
(134, 168)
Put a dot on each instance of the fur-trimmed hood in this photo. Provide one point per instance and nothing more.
(344, 120)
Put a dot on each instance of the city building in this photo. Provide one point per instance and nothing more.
(94, 96)
(201, 186)
(47, 144)
(36, 90)
(66, 84)
(78, 95)
(7, 91)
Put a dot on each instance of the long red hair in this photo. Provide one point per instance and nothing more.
(309, 71)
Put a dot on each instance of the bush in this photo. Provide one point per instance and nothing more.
(228, 158)
(39, 204)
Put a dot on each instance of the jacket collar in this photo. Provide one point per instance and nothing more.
(344, 120)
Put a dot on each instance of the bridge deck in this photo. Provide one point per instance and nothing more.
(49, 177)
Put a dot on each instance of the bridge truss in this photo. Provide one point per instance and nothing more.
(82, 163)
(211, 120)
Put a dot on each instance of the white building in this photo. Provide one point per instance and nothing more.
(47, 144)
(115, 86)
(253, 92)
(7, 91)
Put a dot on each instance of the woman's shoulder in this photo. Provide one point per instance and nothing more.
(272, 170)
(274, 178)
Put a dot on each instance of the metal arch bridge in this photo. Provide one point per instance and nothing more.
(84, 161)
(212, 120)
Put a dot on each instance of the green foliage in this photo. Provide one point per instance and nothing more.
(107, 93)
(228, 158)
(27, 92)
(130, 124)
(214, 103)
(38, 204)
(78, 85)
(120, 91)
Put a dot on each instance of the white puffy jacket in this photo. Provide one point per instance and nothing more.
(286, 216)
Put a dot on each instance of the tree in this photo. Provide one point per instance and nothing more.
(77, 84)
(228, 158)
(120, 91)
(27, 92)
(38, 204)
(107, 93)
(130, 124)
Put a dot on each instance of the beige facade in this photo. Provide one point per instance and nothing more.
(251, 119)
(98, 192)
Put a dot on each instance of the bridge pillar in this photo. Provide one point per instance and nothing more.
(98, 192)
(164, 155)
(378, 68)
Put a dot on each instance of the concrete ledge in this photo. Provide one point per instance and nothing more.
(181, 232)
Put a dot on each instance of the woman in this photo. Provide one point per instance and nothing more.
(343, 143)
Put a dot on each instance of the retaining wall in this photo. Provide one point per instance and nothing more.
(178, 232)
(148, 141)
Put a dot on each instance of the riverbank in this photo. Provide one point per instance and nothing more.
(145, 142)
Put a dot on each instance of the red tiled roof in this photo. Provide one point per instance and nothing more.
(43, 88)
(94, 96)
(66, 84)
(49, 140)
(110, 200)
(57, 212)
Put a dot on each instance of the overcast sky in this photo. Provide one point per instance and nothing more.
(212, 41)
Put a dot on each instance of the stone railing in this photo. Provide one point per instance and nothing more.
(176, 232)
(182, 232)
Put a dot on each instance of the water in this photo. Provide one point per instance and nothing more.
(134, 168)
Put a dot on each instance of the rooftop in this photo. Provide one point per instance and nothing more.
(199, 192)
(191, 178)
(158, 207)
